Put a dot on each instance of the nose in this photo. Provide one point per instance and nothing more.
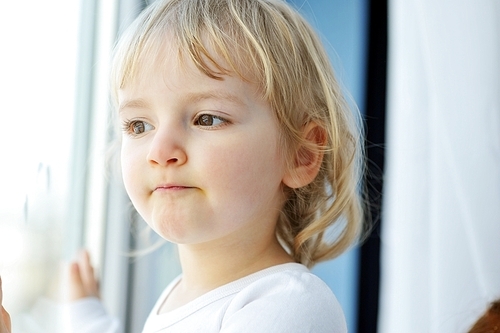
(167, 148)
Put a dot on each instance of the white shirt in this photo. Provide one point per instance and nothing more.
(284, 298)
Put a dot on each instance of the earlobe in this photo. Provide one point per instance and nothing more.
(308, 157)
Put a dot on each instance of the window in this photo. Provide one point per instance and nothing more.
(38, 66)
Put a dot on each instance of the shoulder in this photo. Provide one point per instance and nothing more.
(285, 298)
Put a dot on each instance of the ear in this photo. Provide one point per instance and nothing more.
(307, 158)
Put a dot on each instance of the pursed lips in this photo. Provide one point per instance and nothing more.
(171, 187)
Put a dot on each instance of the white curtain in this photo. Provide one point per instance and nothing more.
(441, 232)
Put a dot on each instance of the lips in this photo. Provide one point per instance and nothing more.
(172, 187)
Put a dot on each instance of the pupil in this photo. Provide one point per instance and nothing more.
(206, 120)
(138, 128)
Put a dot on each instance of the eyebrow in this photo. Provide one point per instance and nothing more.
(197, 97)
(189, 98)
(133, 103)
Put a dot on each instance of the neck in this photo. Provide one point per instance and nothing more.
(208, 266)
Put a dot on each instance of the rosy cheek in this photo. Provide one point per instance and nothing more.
(129, 169)
(125, 165)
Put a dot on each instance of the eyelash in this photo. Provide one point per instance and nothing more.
(222, 121)
(128, 126)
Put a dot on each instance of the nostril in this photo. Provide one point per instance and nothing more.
(164, 155)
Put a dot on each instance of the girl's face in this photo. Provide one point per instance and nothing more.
(200, 156)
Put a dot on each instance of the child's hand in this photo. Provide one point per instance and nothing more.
(4, 318)
(81, 279)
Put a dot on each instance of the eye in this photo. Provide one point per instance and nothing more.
(209, 120)
(136, 127)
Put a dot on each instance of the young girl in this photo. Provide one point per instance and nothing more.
(238, 146)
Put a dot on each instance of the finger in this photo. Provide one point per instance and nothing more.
(88, 275)
(4, 318)
(76, 288)
(86, 267)
(5, 324)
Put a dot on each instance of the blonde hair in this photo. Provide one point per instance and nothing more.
(269, 43)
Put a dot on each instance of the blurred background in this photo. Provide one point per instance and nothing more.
(424, 74)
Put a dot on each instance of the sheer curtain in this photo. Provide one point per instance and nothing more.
(441, 237)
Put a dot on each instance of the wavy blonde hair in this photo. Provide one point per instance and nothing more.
(268, 43)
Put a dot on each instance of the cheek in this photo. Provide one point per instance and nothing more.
(130, 171)
(125, 165)
(247, 168)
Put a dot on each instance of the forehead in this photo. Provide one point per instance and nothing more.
(170, 72)
(165, 49)
(166, 58)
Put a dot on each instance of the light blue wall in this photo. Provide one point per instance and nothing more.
(343, 26)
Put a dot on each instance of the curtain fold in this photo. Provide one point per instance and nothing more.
(441, 235)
